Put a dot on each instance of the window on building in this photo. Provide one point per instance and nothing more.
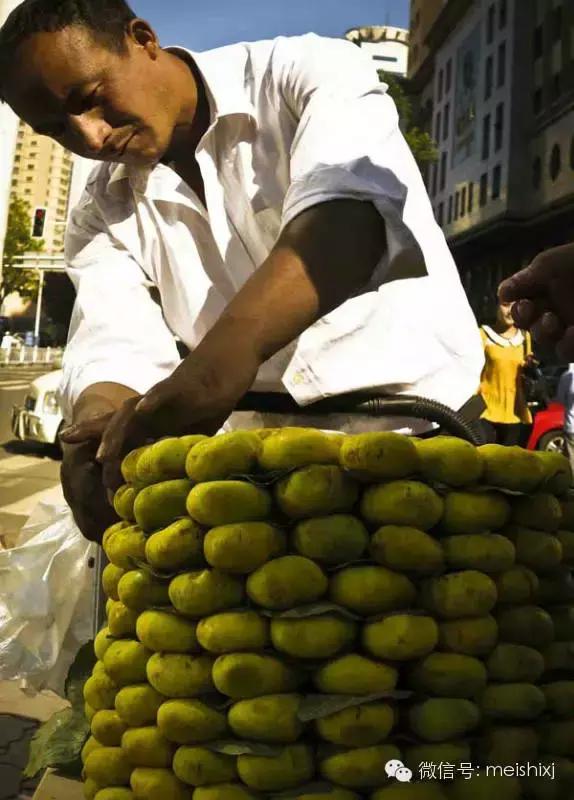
(557, 24)
(537, 101)
(501, 76)
(470, 197)
(555, 162)
(536, 172)
(440, 84)
(490, 24)
(449, 215)
(488, 77)
(434, 184)
(437, 127)
(496, 180)
(486, 137)
(442, 171)
(446, 121)
(29, 179)
(572, 153)
(448, 75)
(502, 14)
(556, 87)
(499, 127)
(483, 189)
(456, 204)
(30, 166)
(463, 201)
(440, 214)
(27, 191)
(538, 42)
(17, 159)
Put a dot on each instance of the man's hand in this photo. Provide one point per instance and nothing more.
(81, 474)
(197, 398)
(543, 296)
(82, 482)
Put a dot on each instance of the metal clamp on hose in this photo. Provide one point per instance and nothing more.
(453, 422)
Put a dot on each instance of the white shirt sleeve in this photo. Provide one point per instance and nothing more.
(348, 144)
(117, 332)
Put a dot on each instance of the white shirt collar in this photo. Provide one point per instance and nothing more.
(515, 341)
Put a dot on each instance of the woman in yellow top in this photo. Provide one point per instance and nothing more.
(507, 418)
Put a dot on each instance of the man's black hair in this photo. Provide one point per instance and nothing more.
(106, 20)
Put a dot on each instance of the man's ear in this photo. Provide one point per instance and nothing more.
(142, 35)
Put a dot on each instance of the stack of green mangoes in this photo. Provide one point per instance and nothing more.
(289, 610)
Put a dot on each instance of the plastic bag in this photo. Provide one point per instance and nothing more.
(46, 597)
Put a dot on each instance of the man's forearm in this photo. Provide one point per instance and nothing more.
(100, 398)
(322, 258)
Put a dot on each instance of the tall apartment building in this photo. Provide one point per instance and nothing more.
(41, 176)
(499, 76)
(423, 16)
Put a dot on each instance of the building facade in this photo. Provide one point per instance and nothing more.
(500, 77)
(41, 176)
(8, 129)
(387, 46)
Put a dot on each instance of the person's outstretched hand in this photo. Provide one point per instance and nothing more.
(543, 297)
(197, 398)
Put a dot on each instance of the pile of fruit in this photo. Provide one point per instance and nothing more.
(300, 614)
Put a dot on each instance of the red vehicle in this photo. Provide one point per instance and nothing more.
(547, 433)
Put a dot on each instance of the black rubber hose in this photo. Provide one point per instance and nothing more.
(362, 403)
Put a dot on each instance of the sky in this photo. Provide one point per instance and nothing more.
(203, 24)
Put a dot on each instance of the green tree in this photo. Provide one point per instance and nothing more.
(19, 241)
(421, 143)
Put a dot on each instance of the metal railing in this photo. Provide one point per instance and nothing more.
(27, 354)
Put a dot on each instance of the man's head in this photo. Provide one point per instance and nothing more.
(91, 75)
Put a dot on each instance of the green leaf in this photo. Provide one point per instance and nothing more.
(317, 706)
(265, 479)
(230, 747)
(145, 567)
(58, 742)
(312, 610)
(78, 674)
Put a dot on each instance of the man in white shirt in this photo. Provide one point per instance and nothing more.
(266, 191)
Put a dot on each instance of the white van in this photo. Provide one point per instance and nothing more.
(40, 418)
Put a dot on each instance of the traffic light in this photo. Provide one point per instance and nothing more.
(38, 223)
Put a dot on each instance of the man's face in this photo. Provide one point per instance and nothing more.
(95, 102)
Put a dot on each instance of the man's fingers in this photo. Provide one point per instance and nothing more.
(153, 400)
(547, 329)
(526, 284)
(525, 313)
(89, 429)
(119, 431)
